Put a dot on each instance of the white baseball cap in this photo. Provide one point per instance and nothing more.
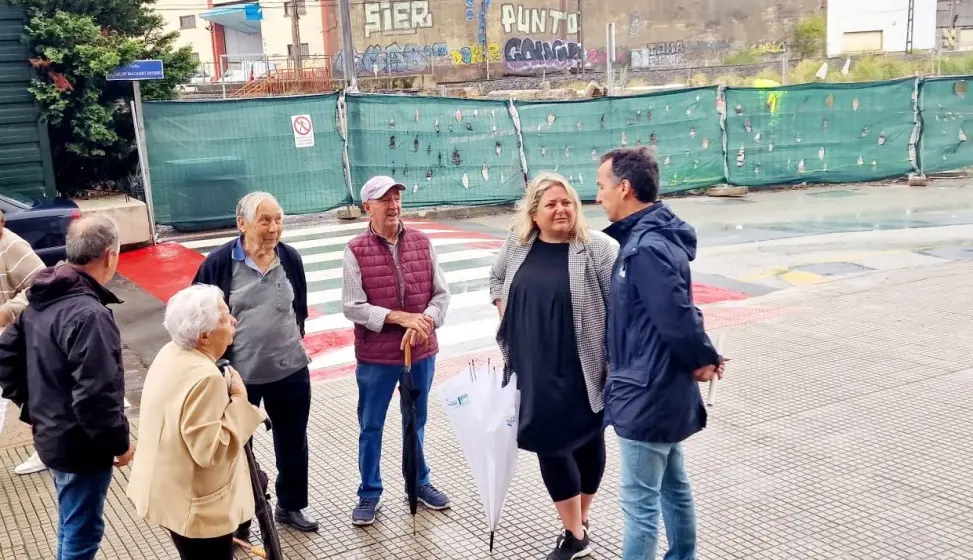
(377, 186)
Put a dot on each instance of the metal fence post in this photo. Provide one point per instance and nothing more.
(515, 116)
(342, 115)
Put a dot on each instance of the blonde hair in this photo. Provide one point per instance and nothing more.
(523, 222)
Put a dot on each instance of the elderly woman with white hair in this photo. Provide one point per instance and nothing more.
(264, 284)
(550, 284)
(191, 475)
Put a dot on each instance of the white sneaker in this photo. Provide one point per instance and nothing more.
(31, 466)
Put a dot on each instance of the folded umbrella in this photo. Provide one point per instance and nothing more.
(408, 394)
(484, 414)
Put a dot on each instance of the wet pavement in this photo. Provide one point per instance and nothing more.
(840, 431)
(838, 434)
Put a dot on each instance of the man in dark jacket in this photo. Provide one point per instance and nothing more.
(658, 351)
(61, 363)
(265, 287)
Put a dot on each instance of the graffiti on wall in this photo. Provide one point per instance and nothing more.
(656, 55)
(767, 47)
(395, 59)
(476, 54)
(597, 59)
(397, 18)
(469, 10)
(634, 22)
(526, 54)
(532, 21)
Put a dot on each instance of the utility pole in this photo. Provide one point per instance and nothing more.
(910, 27)
(295, 32)
(584, 52)
(347, 46)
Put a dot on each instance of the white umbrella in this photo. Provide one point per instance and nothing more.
(484, 416)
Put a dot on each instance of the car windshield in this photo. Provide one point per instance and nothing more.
(17, 198)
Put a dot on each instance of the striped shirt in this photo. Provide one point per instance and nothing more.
(18, 266)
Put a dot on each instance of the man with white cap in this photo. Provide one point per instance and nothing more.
(396, 295)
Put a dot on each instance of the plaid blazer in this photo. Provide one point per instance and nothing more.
(590, 267)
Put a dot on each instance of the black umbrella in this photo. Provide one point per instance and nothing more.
(260, 482)
(410, 435)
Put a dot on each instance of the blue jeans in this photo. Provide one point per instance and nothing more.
(376, 385)
(654, 474)
(80, 509)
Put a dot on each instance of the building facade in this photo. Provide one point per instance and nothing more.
(865, 26)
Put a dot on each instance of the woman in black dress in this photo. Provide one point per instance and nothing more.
(551, 274)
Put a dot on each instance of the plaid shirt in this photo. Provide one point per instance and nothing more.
(590, 268)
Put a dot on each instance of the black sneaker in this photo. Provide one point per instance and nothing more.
(569, 547)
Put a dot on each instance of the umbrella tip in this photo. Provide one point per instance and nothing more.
(491, 542)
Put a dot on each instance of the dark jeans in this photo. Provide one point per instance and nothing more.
(80, 510)
(288, 404)
(376, 385)
(216, 548)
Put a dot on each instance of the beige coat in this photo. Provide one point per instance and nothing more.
(190, 472)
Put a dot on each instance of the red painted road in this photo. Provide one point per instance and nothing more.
(164, 269)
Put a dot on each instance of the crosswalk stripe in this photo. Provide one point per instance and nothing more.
(452, 277)
(470, 319)
(458, 256)
(337, 321)
(338, 255)
(448, 335)
(342, 240)
(292, 233)
(288, 234)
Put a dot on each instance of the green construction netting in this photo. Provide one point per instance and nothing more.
(569, 137)
(946, 109)
(446, 151)
(204, 156)
(819, 132)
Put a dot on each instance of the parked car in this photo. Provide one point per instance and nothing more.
(41, 222)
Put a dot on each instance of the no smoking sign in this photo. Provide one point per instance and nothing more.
(303, 131)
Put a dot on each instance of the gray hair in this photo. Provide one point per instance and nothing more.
(191, 313)
(90, 237)
(247, 207)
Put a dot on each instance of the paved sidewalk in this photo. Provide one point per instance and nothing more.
(841, 431)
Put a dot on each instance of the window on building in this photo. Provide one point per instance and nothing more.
(301, 7)
(195, 58)
(305, 50)
(863, 41)
(187, 22)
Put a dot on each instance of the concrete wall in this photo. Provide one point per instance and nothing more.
(455, 40)
(536, 36)
(888, 16)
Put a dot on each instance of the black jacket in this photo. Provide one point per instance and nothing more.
(61, 363)
(217, 270)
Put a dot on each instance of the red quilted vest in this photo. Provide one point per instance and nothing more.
(381, 285)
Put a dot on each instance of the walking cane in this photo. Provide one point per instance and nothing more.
(268, 530)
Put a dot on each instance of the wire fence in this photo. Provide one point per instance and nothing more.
(313, 152)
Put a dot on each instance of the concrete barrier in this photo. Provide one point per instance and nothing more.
(129, 213)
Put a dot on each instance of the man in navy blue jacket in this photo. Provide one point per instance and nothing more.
(658, 351)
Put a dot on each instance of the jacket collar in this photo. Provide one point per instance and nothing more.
(238, 254)
(398, 235)
(621, 229)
